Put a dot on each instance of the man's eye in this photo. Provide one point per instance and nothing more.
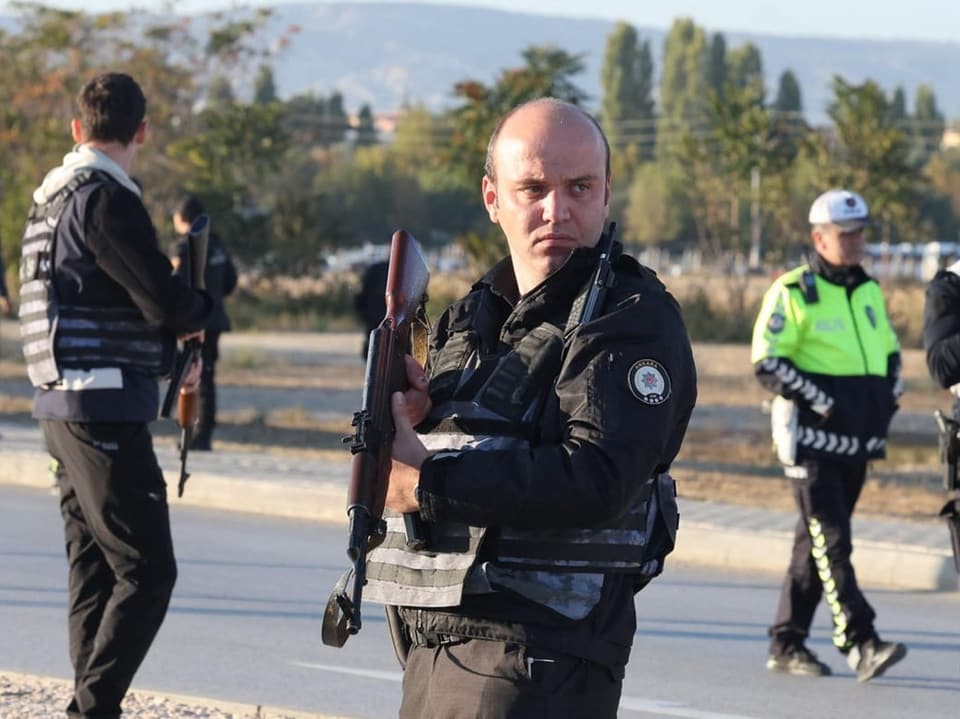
(581, 187)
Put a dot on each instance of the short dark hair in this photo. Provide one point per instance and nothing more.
(190, 208)
(111, 108)
(488, 167)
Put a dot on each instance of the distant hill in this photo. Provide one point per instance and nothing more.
(386, 54)
(389, 54)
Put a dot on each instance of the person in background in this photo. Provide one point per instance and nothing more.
(824, 345)
(370, 302)
(100, 314)
(220, 278)
(941, 343)
(6, 307)
(542, 442)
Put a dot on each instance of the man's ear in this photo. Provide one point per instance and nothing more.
(140, 136)
(489, 190)
(76, 129)
(817, 236)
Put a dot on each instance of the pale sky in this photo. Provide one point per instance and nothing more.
(915, 19)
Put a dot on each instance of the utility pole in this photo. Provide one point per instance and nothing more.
(753, 262)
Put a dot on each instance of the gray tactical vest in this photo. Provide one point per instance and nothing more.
(562, 569)
(58, 336)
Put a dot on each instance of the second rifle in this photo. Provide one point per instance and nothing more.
(188, 402)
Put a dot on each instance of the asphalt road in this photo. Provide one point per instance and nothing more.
(244, 626)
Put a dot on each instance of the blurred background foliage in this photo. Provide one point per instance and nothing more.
(703, 158)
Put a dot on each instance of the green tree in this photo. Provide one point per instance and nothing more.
(869, 153)
(943, 172)
(366, 130)
(788, 112)
(685, 86)
(746, 70)
(627, 79)
(264, 88)
(789, 99)
(220, 93)
(650, 216)
(547, 72)
(304, 118)
(898, 105)
(229, 159)
(336, 122)
(928, 123)
(717, 68)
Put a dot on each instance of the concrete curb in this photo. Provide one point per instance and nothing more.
(242, 711)
(884, 564)
(296, 499)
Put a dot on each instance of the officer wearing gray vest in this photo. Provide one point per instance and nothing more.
(541, 445)
(100, 313)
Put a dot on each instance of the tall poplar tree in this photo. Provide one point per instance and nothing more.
(928, 123)
(627, 80)
(684, 89)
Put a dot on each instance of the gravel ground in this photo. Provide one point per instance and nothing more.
(31, 697)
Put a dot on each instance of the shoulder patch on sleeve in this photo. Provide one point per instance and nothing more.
(776, 322)
(649, 381)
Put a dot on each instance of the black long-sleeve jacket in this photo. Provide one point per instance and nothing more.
(941, 328)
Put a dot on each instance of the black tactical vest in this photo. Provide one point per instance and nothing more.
(58, 336)
(503, 401)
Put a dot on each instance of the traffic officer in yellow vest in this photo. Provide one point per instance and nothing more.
(823, 344)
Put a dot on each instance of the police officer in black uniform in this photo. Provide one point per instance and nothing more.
(941, 329)
(540, 463)
(220, 279)
(370, 302)
(100, 313)
(941, 340)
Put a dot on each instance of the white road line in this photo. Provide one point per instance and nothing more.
(662, 708)
(656, 707)
(368, 673)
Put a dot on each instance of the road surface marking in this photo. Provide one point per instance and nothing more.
(647, 706)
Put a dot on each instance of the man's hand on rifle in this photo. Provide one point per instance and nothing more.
(417, 399)
(191, 380)
(409, 409)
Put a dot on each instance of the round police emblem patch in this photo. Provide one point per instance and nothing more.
(776, 322)
(649, 382)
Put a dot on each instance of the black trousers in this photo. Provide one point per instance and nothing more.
(207, 418)
(121, 567)
(820, 566)
(485, 679)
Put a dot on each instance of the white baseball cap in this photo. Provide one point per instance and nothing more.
(843, 208)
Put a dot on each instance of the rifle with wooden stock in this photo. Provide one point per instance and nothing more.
(399, 334)
(188, 402)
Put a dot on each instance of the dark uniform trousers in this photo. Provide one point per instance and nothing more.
(119, 554)
(207, 418)
(828, 494)
(488, 679)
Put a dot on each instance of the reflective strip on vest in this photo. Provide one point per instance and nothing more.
(529, 562)
(38, 310)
